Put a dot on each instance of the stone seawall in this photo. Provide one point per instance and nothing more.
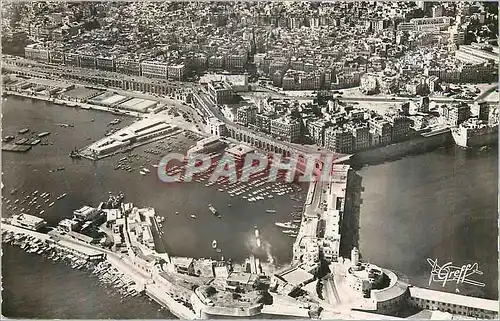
(416, 145)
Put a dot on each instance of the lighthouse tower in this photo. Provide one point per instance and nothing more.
(354, 257)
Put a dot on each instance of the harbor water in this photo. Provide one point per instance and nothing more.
(438, 205)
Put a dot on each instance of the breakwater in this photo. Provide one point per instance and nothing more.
(53, 249)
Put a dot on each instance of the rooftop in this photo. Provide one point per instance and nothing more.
(297, 276)
(240, 150)
(28, 219)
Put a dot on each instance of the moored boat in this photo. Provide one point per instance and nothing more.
(43, 134)
(287, 225)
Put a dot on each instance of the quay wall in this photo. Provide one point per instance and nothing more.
(420, 144)
(161, 297)
(219, 312)
(77, 104)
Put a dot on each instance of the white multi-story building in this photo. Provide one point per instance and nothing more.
(286, 129)
(154, 69)
(85, 213)
(176, 72)
(216, 127)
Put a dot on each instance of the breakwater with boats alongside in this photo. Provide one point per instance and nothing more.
(53, 251)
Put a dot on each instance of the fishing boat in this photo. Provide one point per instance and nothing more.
(212, 209)
(193, 216)
(145, 170)
(51, 204)
(270, 211)
(41, 212)
(43, 134)
(287, 225)
(61, 196)
(142, 173)
(24, 131)
(8, 138)
(214, 244)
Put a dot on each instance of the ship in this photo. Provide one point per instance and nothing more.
(212, 209)
(270, 211)
(475, 133)
(61, 196)
(22, 141)
(115, 121)
(8, 138)
(288, 225)
(193, 216)
(214, 244)
(24, 131)
(43, 134)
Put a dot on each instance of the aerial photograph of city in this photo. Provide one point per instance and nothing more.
(250, 159)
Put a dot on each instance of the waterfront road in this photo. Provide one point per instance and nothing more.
(56, 70)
